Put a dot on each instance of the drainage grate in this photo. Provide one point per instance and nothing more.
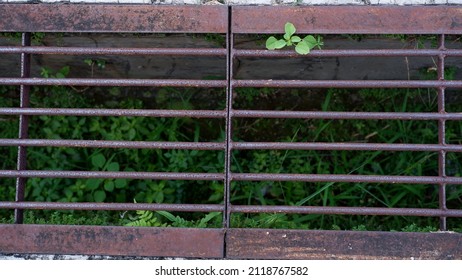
(230, 23)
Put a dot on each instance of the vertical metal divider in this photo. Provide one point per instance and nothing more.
(228, 137)
(23, 128)
(441, 134)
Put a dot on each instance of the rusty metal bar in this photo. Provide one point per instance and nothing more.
(345, 115)
(441, 134)
(235, 113)
(348, 19)
(112, 144)
(340, 178)
(222, 52)
(114, 175)
(23, 127)
(331, 210)
(113, 241)
(350, 53)
(118, 112)
(345, 146)
(346, 83)
(229, 126)
(86, 206)
(111, 82)
(114, 51)
(113, 18)
(317, 244)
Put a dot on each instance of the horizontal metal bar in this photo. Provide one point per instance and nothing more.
(347, 83)
(234, 145)
(113, 18)
(112, 82)
(348, 53)
(112, 241)
(331, 244)
(114, 175)
(234, 113)
(331, 210)
(348, 19)
(344, 115)
(114, 51)
(222, 52)
(345, 146)
(391, 179)
(111, 206)
(112, 144)
(114, 112)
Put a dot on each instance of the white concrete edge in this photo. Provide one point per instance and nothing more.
(77, 257)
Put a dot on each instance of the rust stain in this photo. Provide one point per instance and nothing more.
(113, 18)
(53, 239)
(301, 244)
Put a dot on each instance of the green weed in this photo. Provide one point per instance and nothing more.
(302, 46)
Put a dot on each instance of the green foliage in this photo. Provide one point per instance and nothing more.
(64, 218)
(152, 219)
(177, 221)
(36, 37)
(302, 46)
(60, 74)
(416, 228)
(100, 63)
(145, 219)
(218, 39)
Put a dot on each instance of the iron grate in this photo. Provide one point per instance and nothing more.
(233, 21)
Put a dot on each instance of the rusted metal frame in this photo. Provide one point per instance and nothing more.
(333, 115)
(213, 239)
(329, 244)
(23, 128)
(332, 210)
(114, 112)
(113, 144)
(114, 51)
(112, 82)
(231, 115)
(86, 206)
(112, 175)
(346, 178)
(111, 240)
(442, 135)
(113, 18)
(345, 115)
(351, 53)
(345, 146)
(348, 19)
(347, 83)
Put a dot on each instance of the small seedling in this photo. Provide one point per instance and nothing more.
(302, 46)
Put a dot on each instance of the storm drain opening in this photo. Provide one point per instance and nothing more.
(154, 131)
